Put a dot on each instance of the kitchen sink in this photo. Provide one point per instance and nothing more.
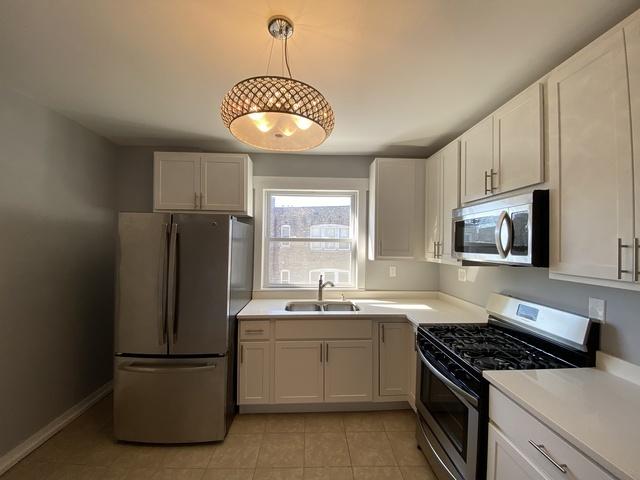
(310, 306)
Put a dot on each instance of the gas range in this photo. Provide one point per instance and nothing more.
(452, 398)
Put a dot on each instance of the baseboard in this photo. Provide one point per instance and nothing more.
(13, 456)
(324, 407)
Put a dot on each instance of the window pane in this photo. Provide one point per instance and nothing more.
(305, 261)
(327, 216)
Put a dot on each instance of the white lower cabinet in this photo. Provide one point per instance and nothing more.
(505, 462)
(413, 370)
(254, 373)
(348, 371)
(394, 368)
(520, 446)
(299, 372)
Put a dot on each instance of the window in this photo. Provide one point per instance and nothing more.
(308, 233)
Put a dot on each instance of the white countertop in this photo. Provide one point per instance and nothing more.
(417, 311)
(597, 412)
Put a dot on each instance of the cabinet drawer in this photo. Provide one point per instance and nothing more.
(255, 329)
(521, 428)
(322, 329)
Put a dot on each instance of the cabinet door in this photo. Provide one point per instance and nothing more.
(591, 164)
(518, 141)
(254, 373)
(477, 161)
(433, 206)
(348, 371)
(632, 40)
(450, 195)
(176, 181)
(394, 368)
(395, 207)
(299, 372)
(224, 182)
(505, 462)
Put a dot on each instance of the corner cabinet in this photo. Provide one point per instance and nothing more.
(442, 197)
(396, 210)
(211, 182)
(593, 106)
(505, 151)
(394, 359)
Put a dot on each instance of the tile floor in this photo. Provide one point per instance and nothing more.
(318, 446)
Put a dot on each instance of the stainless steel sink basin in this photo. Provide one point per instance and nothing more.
(310, 306)
(303, 307)
(340, 307)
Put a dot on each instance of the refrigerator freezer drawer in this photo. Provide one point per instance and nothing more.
(170, 400)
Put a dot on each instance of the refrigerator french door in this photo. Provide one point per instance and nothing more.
(181, 280)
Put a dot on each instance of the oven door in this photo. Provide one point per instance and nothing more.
(449, 421)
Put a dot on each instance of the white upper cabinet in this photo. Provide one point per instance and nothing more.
(442, 197)
(176, 181)
(632, 40)
(396, 218)
(450, 196)
(433, 206)
(590, 155)
(505, 151)
(477, 161)
(209, 182)
(519, 141)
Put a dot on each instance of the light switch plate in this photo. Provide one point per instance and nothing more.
(393, 272)
(462, 275)
(597, 308)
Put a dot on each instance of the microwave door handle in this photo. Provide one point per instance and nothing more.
(456, 389)
(502, 250)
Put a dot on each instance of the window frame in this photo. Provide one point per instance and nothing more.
(304, 185)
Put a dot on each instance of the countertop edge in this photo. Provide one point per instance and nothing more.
(584, 449)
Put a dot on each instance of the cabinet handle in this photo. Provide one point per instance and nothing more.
(250, 331)
(241, 353)
(636, 247)
(195, 200)
(383, 333)
(326, 355)
(493, 174)
(543, 451)
(487, 190)
(320, 352)
(620, 270)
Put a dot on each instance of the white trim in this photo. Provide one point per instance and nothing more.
(16, 454)
(261, 184)
(325, 407)
(618, 367)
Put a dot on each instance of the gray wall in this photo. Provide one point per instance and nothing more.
(620, 333)
(57, 204)
(135, 194)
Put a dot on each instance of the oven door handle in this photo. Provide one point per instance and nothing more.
(456, 389)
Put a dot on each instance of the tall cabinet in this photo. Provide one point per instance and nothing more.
(591, 159)
(442, 196)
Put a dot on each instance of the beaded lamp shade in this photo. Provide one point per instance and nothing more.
(276, 112)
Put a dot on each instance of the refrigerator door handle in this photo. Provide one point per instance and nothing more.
(153, 368)
(162, 287)
(173, 281)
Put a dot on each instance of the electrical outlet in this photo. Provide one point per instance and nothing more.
(597, 309)
(393, 272)
(462, 275)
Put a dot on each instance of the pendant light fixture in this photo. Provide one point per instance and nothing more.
(277, 112)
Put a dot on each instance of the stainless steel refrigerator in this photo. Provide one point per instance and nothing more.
(181, 280)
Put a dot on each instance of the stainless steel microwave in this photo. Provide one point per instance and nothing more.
(512, 231)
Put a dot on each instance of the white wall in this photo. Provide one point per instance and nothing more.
(621, 332)
(135, 193)
(57, 205)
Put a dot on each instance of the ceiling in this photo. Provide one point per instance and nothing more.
(403, 77)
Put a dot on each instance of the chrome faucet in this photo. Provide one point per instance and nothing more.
(321, 287)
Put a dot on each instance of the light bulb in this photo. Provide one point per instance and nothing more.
(302, 123)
